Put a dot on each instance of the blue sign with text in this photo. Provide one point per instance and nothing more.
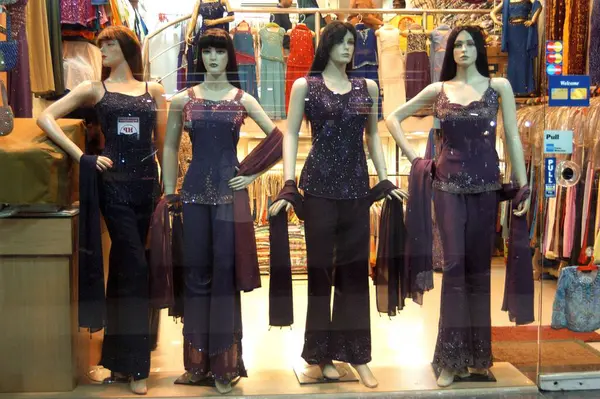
(569, 91)
(550, 178)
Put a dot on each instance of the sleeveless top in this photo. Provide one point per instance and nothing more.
(302, 50)
(336, 166)
(213, 10)
(271, 44)
(128, 123)
(468, 161)
(214, 129)
(365, 52)
(244, 47)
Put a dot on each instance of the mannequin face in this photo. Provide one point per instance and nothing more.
(465, 51)
(342, 53)
(215, 60)
(112, 55)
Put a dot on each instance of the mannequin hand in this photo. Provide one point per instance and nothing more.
(278, 206)
(523, 208)
(209, 22)
(189, 40)
(397, 194)
(241, 182)
(528, 23)
(103, 164)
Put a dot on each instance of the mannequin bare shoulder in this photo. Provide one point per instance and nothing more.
(373, 88)
(257, 113)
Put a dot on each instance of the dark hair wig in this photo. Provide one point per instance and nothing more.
(217, 38)
(449, 66)
(333, 34)
(130, 46)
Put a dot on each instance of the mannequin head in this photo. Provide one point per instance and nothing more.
(119, 44)
(465, 48)
(217, 55)
(337, 44)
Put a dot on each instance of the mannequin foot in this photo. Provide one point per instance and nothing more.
(479, 371)
(329, 371)
(223, 388)
(366, 375)
(139, 387)
(446, 378)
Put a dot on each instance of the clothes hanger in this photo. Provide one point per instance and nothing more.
(302, 19)
(590, 267)
(271, 24)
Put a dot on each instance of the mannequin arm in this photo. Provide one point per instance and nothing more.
(158, 93)
(294, 122)
(172, 140)
(229, 18)
(373, 139)
(513, 140)
(536, 16)
(394, 120)
(191, 28)
(257, 113)
(83, 95)
(494, 13)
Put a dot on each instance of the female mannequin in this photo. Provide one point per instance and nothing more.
(519, 39)
(212, 309)
(212, 12)
(336, 185)
(466, 185)
(127, 193)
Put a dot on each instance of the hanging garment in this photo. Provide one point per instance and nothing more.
(272, 81)
(575, 37)
(594, 50)
(81, 61)
(243, 42)
(576, 301)
(302, 53)
(77, 12)
(19, 84)
(521, 43)
(391, 69)
(417, 64)
(40, 56)
(439, 41)
(56, 50)
(366, 63)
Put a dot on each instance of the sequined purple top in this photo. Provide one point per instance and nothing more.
(468, 161)
(336, 166)
(128, 124)
(214, 129)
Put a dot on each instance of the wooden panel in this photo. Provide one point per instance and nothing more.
(36, 314)
(36, 236)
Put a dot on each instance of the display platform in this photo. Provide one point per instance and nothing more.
(417, 381)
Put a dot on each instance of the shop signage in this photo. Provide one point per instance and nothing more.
(569, 91)
(554, 57)
(558, 141)
(550, 178)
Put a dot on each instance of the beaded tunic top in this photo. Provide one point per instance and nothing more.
(128, 123)
(214, 129)
(468, 161)
(336, 166)
(577, 300)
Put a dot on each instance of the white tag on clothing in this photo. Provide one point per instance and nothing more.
(128, 126)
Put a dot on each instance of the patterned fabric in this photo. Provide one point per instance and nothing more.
(417, 42)
(76, 12)
(468, 162)
(128, 123)
(214, 129)
(336, 166)
(577, 300)
(302, 54)
(577, 36)
(594, 52)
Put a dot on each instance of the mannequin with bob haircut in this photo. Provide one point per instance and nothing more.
(212, 113)
(336, 202)
(467, 187)
(128, 190)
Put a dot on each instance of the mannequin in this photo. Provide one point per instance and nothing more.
(520, 40)
(336, 185)
(212, 308)
(128, 192)
(466, 185)
(212, 13)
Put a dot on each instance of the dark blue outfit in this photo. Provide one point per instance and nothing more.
(208, 11)
(521, 44)
(366, 64)
(128, 192)
(212, 322)
(335, 181)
